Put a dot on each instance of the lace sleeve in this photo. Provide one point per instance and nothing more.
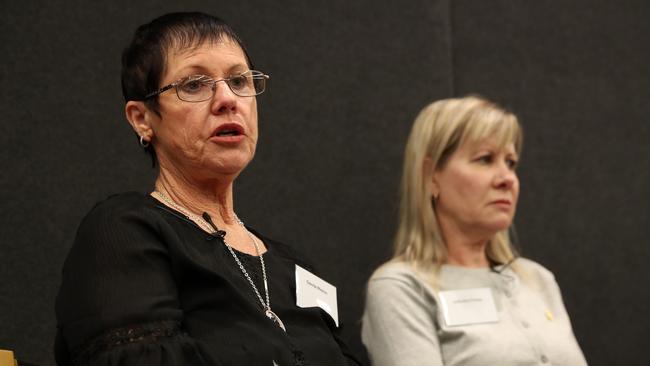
(118, 302)
(133, 334)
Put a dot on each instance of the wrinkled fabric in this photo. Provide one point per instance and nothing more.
(143, 285)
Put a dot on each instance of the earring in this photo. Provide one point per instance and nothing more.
(145, 144)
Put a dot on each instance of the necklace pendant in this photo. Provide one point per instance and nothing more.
(275, 318)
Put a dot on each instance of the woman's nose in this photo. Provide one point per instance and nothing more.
(224, 99)
(505, 176)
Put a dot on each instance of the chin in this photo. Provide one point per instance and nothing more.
(500, 225)
(231, 169)
(232, 164)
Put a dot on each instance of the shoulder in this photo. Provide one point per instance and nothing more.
(542, 281)
(397, 278)
(118, 270)
(120, 236)
(119, 205)
(395, 270)
(534, 271)
(538, 278)
(119, 212)
(396, 288)
(115, 224)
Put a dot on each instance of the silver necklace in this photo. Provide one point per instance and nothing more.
(203, 224)
(267, 306)
(190, 216)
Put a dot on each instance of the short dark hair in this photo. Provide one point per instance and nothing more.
(144, 59)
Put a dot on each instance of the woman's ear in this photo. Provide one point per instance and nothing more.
(429, 173)
(139, 116)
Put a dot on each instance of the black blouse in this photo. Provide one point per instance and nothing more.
(143, 285)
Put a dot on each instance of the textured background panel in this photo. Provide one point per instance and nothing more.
(576, 73)
(347, 79)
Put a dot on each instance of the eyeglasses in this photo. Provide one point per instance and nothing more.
(199, 88)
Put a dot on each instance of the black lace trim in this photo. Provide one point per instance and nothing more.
(140, 333)
(143, 333)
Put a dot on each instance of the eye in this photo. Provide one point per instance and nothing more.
(512, 163)
(485, 159)
(239, 82)
(195, 85)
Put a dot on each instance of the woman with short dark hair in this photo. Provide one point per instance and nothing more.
(174, 277)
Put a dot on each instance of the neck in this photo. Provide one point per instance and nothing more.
(213, 196)
(467, 254)
(464, 248)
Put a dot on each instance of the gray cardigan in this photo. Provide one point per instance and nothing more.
(403, 323)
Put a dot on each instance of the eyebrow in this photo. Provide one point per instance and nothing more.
(199, 69)
(493, 148)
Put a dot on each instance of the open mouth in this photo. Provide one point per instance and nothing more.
(228, 133)
(229, 130)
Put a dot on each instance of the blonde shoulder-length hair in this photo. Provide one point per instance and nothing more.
(438, 131)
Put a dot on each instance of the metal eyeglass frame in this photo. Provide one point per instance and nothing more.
(175, 84)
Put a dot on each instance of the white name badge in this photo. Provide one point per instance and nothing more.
(312, 291)
(471, 306)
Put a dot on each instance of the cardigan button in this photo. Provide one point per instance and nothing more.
(544, 359)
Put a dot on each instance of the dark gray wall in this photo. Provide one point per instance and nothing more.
(578, 75)
(347, 80)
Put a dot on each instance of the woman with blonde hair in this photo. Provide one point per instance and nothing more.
(455, 291)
